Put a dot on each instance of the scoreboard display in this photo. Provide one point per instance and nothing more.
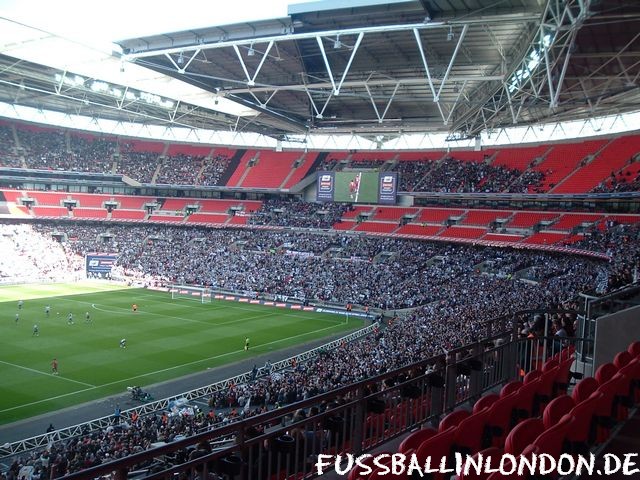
(357, 186)
(100, 264)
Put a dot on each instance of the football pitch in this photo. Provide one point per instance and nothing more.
(165, 339)
(367, 193)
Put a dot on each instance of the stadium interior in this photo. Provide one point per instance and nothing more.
(461, 177)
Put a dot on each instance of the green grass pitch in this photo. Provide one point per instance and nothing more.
(166, 339)
(368, 192)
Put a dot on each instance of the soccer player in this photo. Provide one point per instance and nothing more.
(20, 304)
(123, 343)
(36, 332)
(87, 318)
(70, 319)
(134, 308)
(54, 366)
(17, 318)
(246, 344)
(47, 310)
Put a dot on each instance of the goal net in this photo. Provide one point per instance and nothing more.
(200, 294)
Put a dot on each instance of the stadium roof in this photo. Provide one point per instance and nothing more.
(373, 68)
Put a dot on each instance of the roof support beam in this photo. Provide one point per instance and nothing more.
(361, 83)
(375, 107)
(453, 59)
(515, 18)
(336, 88)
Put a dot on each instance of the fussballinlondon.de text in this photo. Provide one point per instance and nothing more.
(506, 464)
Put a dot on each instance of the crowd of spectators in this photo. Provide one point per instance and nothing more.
(531, 181)
(451, 295)
(140, 166)
(90, 154)
(8, 156)
(629, 181)
(60, 150)
(27, 256)
(298, 214)
(412, 172)
(180, 169)
(214, 170)
(452, 175)
(44, 149)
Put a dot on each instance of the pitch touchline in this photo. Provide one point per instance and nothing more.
(94, 387)
(236, 307)
(47, 374)
(213, 325)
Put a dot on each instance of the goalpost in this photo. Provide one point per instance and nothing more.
(202, 294)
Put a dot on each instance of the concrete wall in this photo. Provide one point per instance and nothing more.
(614, 332)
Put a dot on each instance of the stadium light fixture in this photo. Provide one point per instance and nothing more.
(450, 34)
(180, 58)
(251, 51)
(337, 44)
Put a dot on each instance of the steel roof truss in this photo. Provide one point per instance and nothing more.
(336, 88)
(375, 107)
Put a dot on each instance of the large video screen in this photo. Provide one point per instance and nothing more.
(357, 187)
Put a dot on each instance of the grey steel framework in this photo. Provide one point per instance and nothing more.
(380, 70)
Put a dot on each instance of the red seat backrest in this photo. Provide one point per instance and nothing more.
(557, 408)
(634, 349)
(551, 440)
(485, 401)
(622, 359)
(469, 434)
(453, 419)
(414, 439)
(583, 412)
(584, 389)
(436, 447)
(510, 387)
(605, 372)
(522, 435)
(501, 414)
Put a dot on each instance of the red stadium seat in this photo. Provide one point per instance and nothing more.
(522, 435)
(551, 441)
(485, 401)
(526, 394)
(632, 371)
(453, 419)
(584, 389)
(436, 447)
(470, 435)
(510, 387)
(550, 364)
(634, 349)
(557, 408)
(501, 418)
(414, 439)
(605, 372)
(544, 392)
(583, 431)
(622, 359)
